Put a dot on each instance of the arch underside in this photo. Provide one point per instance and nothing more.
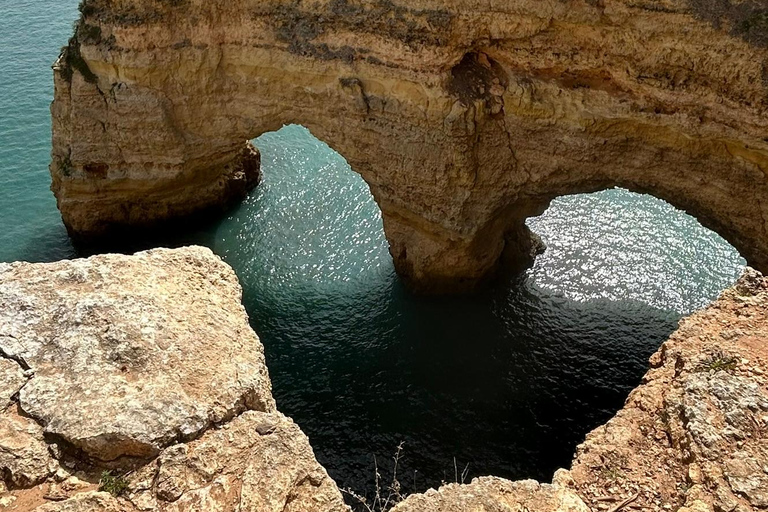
(460, 135)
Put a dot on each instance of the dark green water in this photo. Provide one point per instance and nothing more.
(508, 381)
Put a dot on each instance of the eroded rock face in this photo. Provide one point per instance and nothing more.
(491, 494)
(463, 117)
(258, 461)
(695, 433)
(131, 354)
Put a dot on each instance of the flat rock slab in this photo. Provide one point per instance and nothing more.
(130, 354)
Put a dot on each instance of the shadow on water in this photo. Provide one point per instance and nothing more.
(508, 382)
(199, 229)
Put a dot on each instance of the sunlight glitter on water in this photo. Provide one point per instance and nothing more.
(619, 245)
(509, 380)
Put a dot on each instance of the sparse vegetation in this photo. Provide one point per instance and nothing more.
(718, 362)
(384, 499)
(613, 467)
(116, 485)
(66, 167)
(611, 474)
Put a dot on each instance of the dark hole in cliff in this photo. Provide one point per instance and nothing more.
(477, 77)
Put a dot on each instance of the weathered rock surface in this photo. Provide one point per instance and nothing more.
(695, 433)
(464, 116)
(12, 378)
(25, 458)
(495, 494)
(144, 363)
(258, 462)
(132, 354)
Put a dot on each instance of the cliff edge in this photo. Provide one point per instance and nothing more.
(145, 367)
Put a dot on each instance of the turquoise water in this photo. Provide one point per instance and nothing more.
(508, 381)
(31, 35)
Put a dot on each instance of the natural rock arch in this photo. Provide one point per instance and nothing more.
(464, 120)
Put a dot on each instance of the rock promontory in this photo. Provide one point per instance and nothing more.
(464, 117)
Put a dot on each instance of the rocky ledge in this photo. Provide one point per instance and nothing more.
(692, 437)
(145, 366)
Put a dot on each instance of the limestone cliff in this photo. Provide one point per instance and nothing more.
(464, 116)
(147, 364)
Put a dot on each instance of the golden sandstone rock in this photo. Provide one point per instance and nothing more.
(143, 364)
(464, 117)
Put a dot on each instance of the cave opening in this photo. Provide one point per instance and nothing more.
(505, 382)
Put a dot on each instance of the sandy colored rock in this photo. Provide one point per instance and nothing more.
(464, 117)
(148, 356)
(257, 462)
(88, 502)
(132, 354)
(495, 494)
(12, 378)
(695, 433)
(693, 437)
(25, 459)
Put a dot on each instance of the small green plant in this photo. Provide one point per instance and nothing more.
(612, 474)
(718, 362)
(115, 485)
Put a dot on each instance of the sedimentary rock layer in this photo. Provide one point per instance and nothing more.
(464, 117)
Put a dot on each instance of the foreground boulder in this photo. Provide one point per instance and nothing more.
(130, 355)
(144, 363)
